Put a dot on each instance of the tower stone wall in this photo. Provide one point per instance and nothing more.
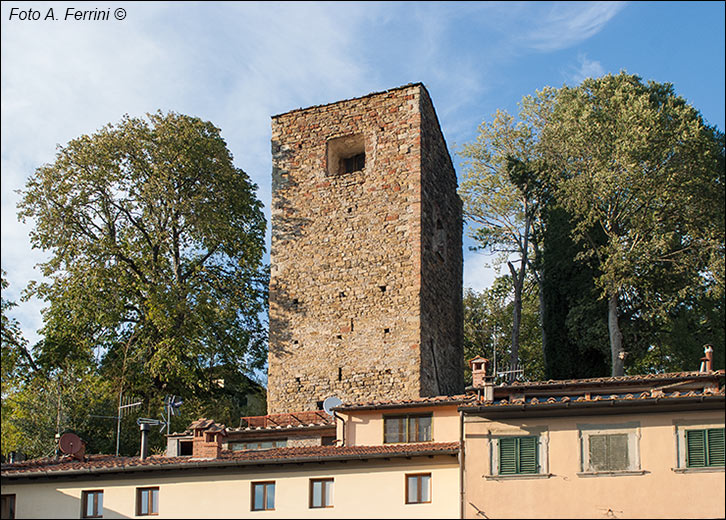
(365, 287)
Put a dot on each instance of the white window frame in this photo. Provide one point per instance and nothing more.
(543, 439)
(633, 431)
(680, 426)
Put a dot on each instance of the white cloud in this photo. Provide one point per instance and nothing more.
(564, 24)
(236, 64)
(585, 68)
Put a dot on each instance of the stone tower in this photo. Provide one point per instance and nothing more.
(365, 288)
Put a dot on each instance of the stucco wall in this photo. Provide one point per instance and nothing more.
(372, 490)
(365, 428)
(656, 491)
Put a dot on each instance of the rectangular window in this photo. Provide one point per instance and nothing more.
(608, 452)
(607, 449)
(147, 501)
(407, 428)
(263, 496)
(8, 507)
(418, 488)
(92, 503)
(705, 448)
(518, 455)
(321, 492)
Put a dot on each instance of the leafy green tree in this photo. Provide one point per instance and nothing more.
(635, 162)
(71, 399)
(574, 318)
(502, 196)
(487, 320)
(17, 360)
(156, 243)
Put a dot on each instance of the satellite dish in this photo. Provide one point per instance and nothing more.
(330, 403)
(70, 443)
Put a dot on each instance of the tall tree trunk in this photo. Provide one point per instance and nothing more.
(518, 279)
(540, 318)
(616, 337)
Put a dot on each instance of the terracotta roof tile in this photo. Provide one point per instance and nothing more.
(109, 463)
(420, 401)
(617, 379)
(653, 395)
(287, 420)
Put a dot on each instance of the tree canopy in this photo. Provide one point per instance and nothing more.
(502, 195)
(155, 276)
(617, 188)
(635, 162)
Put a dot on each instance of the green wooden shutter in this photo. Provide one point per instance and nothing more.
(695, 448)
(715, 442)
(508, 456)
(527, 455)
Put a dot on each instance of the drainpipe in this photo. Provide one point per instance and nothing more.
(461, 464)
(335, 414)
(144, 440)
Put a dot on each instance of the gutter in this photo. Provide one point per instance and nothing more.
(214, 463)
(603, 406)
(398, 405)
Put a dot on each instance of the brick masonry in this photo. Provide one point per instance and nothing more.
(365, 288)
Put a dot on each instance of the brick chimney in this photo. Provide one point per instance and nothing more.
(480, 379)
(207, 439)
(707, 359)
(479, 367)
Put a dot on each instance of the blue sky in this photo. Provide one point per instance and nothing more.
(236, 64)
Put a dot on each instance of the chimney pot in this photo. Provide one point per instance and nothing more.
(707, 359)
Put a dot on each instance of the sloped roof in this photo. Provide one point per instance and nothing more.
(437, 400)
(620, 380)
(286, 420)
(97, 464)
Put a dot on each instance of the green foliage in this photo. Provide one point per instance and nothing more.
(155, 277)
(488, 321)
(502, 195)
(65, 401)
(156, 242)
(635, 162)
(17, 361)
(574, 318)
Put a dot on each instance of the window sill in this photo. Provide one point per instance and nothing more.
(611, 473)
(519, 476)
(713, 469)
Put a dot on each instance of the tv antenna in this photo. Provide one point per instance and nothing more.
(125, 406)
(171, 407)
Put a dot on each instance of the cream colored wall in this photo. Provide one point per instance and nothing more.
(365, 428)
(659, 492)
(372, 490)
